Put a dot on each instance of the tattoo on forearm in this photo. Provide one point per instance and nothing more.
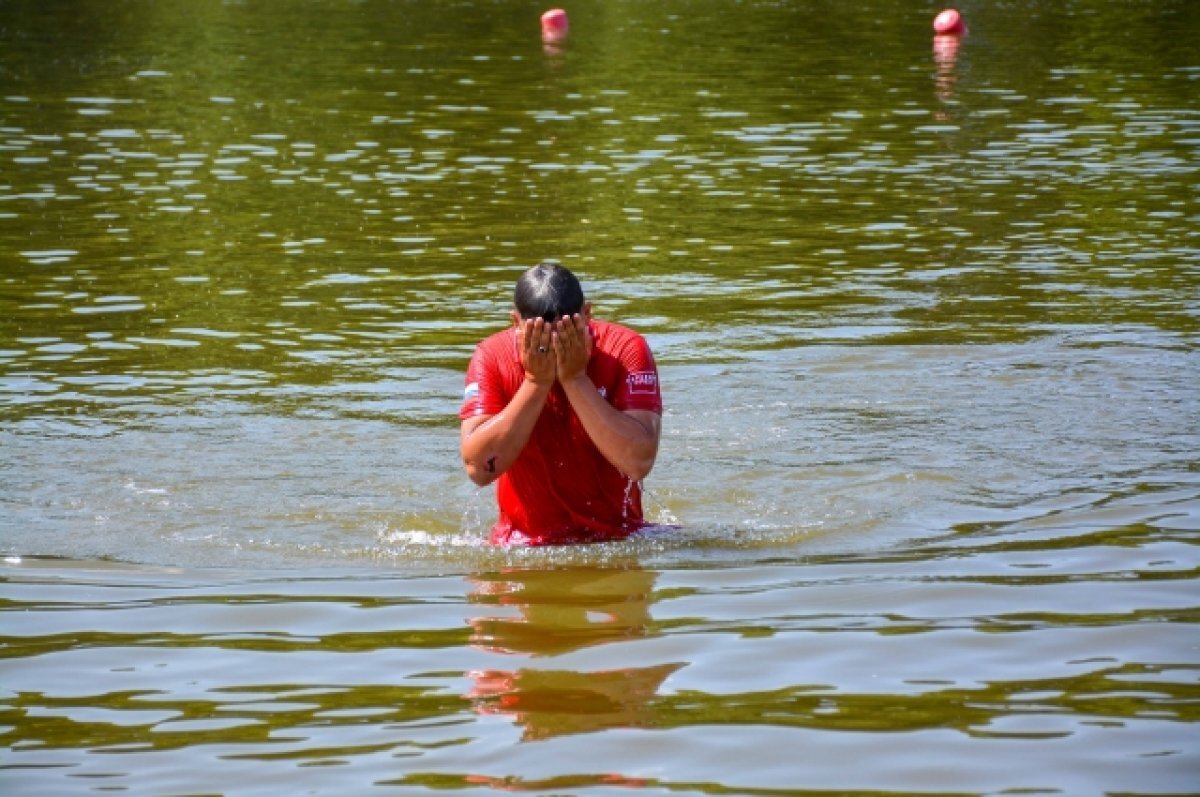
(491, 465)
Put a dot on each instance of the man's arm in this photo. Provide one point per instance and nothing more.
(629, 439)
(490, 444)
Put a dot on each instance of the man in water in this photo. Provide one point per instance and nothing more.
(565, 411)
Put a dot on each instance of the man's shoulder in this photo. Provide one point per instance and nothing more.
(498, 343)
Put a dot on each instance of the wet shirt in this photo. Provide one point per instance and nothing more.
(561, 489)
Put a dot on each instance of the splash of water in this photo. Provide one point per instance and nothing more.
(472, 518)
(626, 502)
(665, 516)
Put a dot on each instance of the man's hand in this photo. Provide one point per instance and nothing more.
(535, 342)
(572, 346)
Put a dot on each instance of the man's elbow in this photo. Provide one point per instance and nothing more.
(640, 466)
(482, 477)
(637, 474)
(642, 450)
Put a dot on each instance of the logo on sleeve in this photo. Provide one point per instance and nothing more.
(471, 392)
(643, 383)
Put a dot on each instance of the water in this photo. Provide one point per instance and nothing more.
(926, 315)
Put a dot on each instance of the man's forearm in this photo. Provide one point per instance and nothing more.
(626, 442)
(491, 448)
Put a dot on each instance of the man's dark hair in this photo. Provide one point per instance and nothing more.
(548, 290)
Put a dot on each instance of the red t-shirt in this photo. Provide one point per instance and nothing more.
(561, 489)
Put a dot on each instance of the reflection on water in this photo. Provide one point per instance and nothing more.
(561, 611)
(945, 55)
(1031, 659)
(926, 314)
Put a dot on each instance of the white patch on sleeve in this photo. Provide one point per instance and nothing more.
(642, 383)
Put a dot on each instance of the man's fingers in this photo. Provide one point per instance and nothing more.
(545, 337)
(536, 337)
(568, 330)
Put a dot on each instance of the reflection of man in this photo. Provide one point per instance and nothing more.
(565, 610)
(565, 411)
(561, 610)
(549, 703)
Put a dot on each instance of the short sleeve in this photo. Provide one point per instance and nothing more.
(639, 388)
(481, 390)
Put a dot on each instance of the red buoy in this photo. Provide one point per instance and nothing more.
(949, 22)
(554, 25)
